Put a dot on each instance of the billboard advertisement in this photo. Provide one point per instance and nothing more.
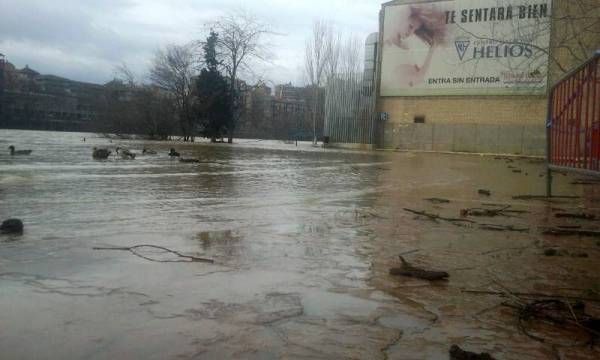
(466, 47)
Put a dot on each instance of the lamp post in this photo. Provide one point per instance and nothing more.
(2, 63)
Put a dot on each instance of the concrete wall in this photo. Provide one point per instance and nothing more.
(474, 138)
(486, 124)
(351, 146)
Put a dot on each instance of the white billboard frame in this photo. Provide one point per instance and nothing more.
(502, 80)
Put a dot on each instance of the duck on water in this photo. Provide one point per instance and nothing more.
(125, 154)
(14, 152)
(101, 154)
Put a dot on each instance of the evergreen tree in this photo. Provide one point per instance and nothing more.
(213, 100)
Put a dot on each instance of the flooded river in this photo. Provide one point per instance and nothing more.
(302, 239)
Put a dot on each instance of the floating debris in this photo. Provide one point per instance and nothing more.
(542, 197)
(438, 201)
(496, 227)
(485, 212)
(11, 226)
(411, 271)
(581, 216)
(435, 217)
(456, 353)
(557, 313)
(561, 231)
(484, 192)
(551, 252)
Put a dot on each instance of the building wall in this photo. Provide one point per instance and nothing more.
(483, 124)
(507, 125)
(46, 102)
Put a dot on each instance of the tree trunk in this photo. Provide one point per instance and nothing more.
(315, 109)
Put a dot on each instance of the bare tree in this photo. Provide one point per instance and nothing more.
(123, 73)
(131, 107)
(576, 32)
(333, 51)
(242, 40)
(315, 65)
(351, 59)
(173, 70)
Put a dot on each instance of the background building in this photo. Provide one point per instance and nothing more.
(29, 100)
(282, 116)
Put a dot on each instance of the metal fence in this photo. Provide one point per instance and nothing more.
(574, 122)
(350, 110)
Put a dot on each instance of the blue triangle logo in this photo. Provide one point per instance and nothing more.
(461, 47)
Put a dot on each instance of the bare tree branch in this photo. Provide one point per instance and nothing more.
(241, 41)
(173, 71)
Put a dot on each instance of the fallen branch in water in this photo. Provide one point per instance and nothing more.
(569, 232)
(495, 227)
(408, 270)
(438, 201)
(479, 212)
(542, 197)
(551, 310)
(557, 313)
(531, 295)
(507, 208)
(132, 249)
(580, 216)
(438, 217)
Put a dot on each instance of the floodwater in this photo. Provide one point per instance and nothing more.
(302, 239)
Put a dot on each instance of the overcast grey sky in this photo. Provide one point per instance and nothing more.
(85, 39)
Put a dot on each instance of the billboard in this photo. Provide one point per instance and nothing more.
(466, 47)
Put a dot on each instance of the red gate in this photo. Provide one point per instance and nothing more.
(573, 127)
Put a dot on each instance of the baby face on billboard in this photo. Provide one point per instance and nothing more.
(417, 30)
(404, 27)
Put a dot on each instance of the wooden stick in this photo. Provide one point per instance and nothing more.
(531, 295)
(438, 217)
(567, 232)
(132, 249)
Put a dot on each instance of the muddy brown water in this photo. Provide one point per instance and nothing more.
(302, 238)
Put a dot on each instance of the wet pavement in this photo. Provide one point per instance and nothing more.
(302, 238)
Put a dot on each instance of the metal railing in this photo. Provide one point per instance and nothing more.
(573, 126)
(350, 114)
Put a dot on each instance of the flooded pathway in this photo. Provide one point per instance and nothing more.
(302, 238)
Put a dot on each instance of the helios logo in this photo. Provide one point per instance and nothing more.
(462, 45)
